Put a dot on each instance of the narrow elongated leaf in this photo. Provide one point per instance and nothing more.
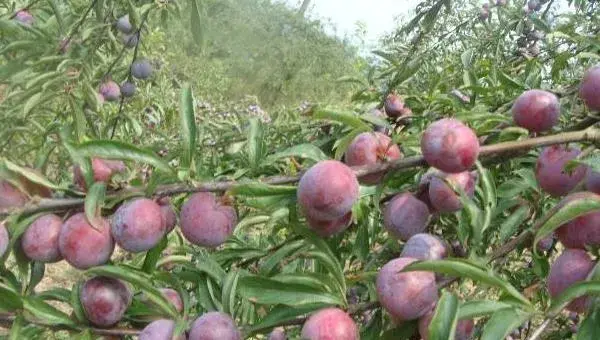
(15, 329)
(282, 313)
(502, 323)
(255, 147)
(574, 291)
(511, 224)
(43, 311)
(31, 175)
(308, 151)
(443, 323)
(121, 151)
(590, 326)
(474, 309)
(10, 300)
(258, 189)
(187, 117)
(271, 292)
(228, 292)
(345, 118)
(94, 201)
(196, 21)
(462, 268)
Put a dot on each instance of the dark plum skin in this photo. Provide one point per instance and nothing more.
(450, 146)
(422, 192)
(110, 91)
(572, 266)
(546, 243)
(329, 228)
(123, 24)
(464, 328)
(161, 329)
(330, 323)
(405, 216)
(214, 326)
(81, 245)
(173, 297)
(102, 169)
(10, 196)
(40, 240)
(425, 247)
(128, 89)
(277, 334)
(141, 69)
(138, 225)
(592, 181)
(405, 295)
(589, 90)
(327, 191)
(581, 231)
(550, 173)
(394, 106)
(24, 17)
(130, 40)
(104, 300)
(169, 217)
(443, 198)
(206, 222)
(369, 148)
(536, 110)
(4, 239)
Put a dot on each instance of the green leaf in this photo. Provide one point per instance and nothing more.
(228, 292)
(269, 263)
(511, 224)
(75, 301)
(196, 21)
(31, 175)
(308, 151)
(134, 16)
(45, 312)
(272, 292)
(188, 126)
(108, 149)
(589, 329)
(463, 268)
(572, 292)
(473, 309)
(94, 201)
(256, 147)
(467, 58)
(280, 314)
(258, 189)
(348, 119)
(502, 323)
(153, 255)
(569, 208)
(443, 323)
(510, 82)
(10, 300)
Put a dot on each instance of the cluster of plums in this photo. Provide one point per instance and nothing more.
(140, 69)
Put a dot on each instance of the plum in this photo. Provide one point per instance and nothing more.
(581, 231)
(128, 89)
(536, 110)
(369, 148)
(405, 216)
(206, 222)
(589, 90)
(123, 24)
(592, 181)
(425, 247)
(161, 329)
(393, 105)
(168, 213)
(141, 69)
(550, 172)
(214, 326)
(464, 328)
(327, 191)
(173, 297)
(138, 225)
(329, 228)
(572, 266)
(278, 334)
(130, 40)
(328, 324)
(10, 196)
(102, 169)
(40, 240)
(450, 146)
(4, 239)
(405, 295)
(443, 198)
(81, 245)
(24, 17)
(110, 91)
(104, 300)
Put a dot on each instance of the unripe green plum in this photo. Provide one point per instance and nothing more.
(40, 240)
(369, 148)
(330, 323)
(214, 326)
(405, 216)
(138, 225)
(572, 266)
(206, 222)
(450, 146)
(443, 198)
(104, 300)
(405, 295)
(589, 90)
(536, 110)
(550, 170)
(141, 69)
(81, 245)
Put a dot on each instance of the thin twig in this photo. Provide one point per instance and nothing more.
(538, 332)
(81, 21)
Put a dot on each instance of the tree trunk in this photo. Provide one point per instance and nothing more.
(303, 7)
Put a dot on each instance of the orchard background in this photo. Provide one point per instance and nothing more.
(205, 138)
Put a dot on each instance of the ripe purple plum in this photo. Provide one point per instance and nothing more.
(536, 110)
(205, 221)
(4, 239)
(572, 266)
(589, 90)
(173, 297)
(130, 40)
(24, 17)
(81, 245)
(161, 329)
(123, 24)
(138, 225)
(464, 328)
(102, 169)
(369, 148)
(405, 216)
(40, 240)
(393, 105)
(141, 69)
(378, 127)
(128, 89)
(581, 231)
(104, 300)
(278, 334)
(327, 191)
(546, 243)
(425, 247)
(110, 91)
(550, 172)
(214, 326)
(443, 198)
(330, 323)
(405, 295)
(450, 146)
(484, 14)
(10, 196)
(168, 214)
(329, 228)
(592, 181)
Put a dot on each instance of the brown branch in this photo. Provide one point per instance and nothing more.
(589, 135)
